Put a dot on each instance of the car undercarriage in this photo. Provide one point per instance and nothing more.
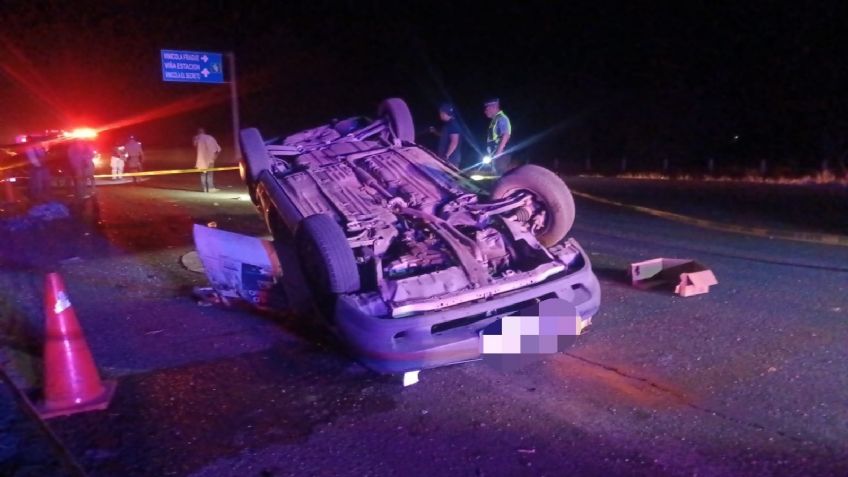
(389, 232)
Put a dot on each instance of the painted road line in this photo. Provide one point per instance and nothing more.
(818, 238)
(167, 172)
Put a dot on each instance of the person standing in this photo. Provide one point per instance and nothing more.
(39, 175)
(498, 134)
(90, 182)
(135, 157)
(117, 162)
(207, 151)
(450, 136)
(81, 160)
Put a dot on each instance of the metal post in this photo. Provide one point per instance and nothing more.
(234, 105)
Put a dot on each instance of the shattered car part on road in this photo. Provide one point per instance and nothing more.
(409, 258)
(239, 268)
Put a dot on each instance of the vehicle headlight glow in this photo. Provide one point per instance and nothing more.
(81, 133)
(487, 159)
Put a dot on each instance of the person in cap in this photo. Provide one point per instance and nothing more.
(498, 134)
(450, 136)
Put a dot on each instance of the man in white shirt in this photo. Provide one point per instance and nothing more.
(207, 151)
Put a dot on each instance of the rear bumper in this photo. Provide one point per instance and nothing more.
(452, 335)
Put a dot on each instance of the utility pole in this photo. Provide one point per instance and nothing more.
(231, 57)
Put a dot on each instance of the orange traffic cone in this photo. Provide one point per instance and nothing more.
(71, 381)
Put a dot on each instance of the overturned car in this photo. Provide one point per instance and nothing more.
(410, 258)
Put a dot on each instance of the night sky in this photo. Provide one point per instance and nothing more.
(605, 80)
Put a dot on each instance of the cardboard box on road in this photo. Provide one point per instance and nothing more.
(688, 276)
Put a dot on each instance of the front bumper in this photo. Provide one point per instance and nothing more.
(452, 335)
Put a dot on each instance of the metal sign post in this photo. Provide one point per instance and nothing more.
(234, 105)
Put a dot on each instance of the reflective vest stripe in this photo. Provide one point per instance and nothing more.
(493, 130)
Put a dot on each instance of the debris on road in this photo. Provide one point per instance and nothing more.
(35, 216)
(410, 378)
(240, 267)
(688, 276)
(207, 296)
(49, 211)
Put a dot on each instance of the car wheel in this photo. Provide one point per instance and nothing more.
(396, 113)
(549, 191)
(276, 204)
(325, 255)
(267, 210)
(256, 158)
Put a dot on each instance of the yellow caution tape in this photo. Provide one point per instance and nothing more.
(826, 239)
(167, 172)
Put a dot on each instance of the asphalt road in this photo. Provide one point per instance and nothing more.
(750, 379)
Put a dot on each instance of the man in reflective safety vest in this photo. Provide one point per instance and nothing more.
(497, 135)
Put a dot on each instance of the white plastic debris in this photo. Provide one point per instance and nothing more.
(410, 378)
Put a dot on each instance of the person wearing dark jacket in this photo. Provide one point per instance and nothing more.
(81, 159)
(39, 174)
(450, 136)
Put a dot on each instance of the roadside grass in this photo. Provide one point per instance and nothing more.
(821, 178)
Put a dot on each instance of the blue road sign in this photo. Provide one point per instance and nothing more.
(192, 66)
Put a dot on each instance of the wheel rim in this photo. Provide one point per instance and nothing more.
(391, 129)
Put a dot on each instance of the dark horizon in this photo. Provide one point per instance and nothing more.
(736, 83)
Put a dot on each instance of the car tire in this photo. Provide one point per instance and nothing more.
(325, 255)
(274, 203)
(548, 189)
(256, 159)
(396, 112)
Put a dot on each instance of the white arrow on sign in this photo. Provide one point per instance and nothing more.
(205, 72)
(204, 58)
